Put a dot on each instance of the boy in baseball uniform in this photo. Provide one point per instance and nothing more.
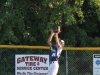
(55, 52)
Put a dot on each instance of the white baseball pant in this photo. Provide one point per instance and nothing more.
(53, 68)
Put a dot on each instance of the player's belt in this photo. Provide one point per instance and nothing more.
(53, 62)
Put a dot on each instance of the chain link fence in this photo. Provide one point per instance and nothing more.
(7, 60)
(78, 62)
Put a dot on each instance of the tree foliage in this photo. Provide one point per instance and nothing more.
(22, 21)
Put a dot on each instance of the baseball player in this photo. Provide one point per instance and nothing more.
(55, 52)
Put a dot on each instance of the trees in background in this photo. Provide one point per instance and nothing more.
(27, 21)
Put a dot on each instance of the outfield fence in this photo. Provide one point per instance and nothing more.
(73, 60)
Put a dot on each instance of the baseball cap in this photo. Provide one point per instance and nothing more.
(63, 42)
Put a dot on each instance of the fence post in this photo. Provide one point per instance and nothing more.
(66, 63)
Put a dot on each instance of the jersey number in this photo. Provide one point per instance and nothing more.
(53, 54)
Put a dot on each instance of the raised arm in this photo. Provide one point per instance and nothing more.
(57, 38)
(50, 38)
